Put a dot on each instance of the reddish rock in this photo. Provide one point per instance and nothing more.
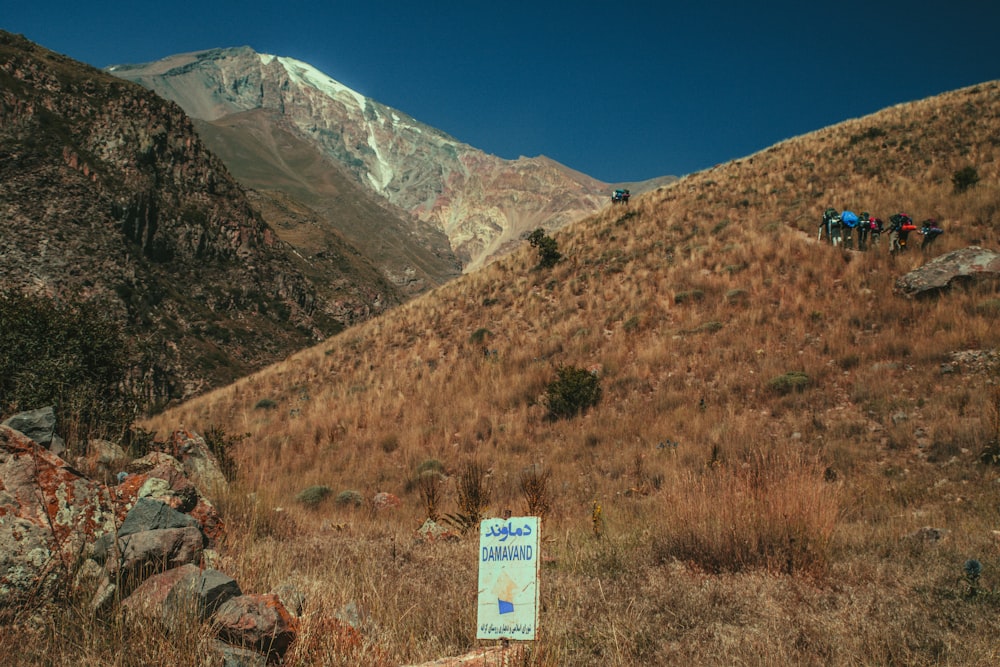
(385, 501)
(49, 516)
(147, 600)
(259, 622)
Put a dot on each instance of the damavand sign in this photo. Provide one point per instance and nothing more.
(508, 578)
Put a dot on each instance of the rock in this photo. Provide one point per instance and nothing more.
(292, 597)
(432, 531)
(40, 426)
(258, 622)
(147, 600)
(139, 556)
(50, 516)
(161, 477)
(201, 591)
(101, 456)
(966, 265)
(385, 501)
(150, 552)
(233, 656)
(200, 464)
(150, 514)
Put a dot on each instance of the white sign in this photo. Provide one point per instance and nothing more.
(508, 578)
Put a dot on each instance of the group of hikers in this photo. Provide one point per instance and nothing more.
(840, 229)
(620, 196)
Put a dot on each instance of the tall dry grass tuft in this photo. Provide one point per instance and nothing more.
(770, 511)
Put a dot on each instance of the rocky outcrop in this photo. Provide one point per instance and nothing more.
(58, 531)
(959, 267)
(50, 516)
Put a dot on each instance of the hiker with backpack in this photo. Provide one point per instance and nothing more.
(900, 226)
(875, 228)
(864, 228)
(849, 221)
(829, 227)
(930, 231)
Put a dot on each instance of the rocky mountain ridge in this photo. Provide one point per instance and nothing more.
(481, 202)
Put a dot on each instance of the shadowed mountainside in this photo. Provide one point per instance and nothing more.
(108, 195)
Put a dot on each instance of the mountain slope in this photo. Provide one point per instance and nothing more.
(106, 192)
(782, 517)
(481, 202)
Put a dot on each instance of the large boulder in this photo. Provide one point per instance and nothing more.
(958, 267)
(50, 516)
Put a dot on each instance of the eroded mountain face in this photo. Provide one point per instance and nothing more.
(480, 202)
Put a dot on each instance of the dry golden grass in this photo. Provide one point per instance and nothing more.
(739, 524)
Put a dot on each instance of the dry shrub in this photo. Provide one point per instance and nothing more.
(536, 490)
(772, 511)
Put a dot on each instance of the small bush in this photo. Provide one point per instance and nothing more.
(792, 381)
(548, 249)
(480, 335)
(689, 295)
(573, 391)
(965, 178)
(313, 495)
(430, 465)
(265, 404)
(349, 499)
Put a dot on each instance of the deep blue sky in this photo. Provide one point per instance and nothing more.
(620, 90)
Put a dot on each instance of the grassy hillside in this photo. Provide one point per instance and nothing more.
(708, 510)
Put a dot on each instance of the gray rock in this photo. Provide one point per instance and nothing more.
(40, 426)
(151, 514)
(203, 591)
(150, 552)
(966, 265)
(233, 656)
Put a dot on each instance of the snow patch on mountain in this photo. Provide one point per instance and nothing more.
(306, 75)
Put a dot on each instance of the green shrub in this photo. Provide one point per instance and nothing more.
(788, 382)
(480, 335)
(689, 295)
(965, 178)
(265, 404)
(430, 465)
(349, 499)
(313, 495)
(548, 250)
(573, 391)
